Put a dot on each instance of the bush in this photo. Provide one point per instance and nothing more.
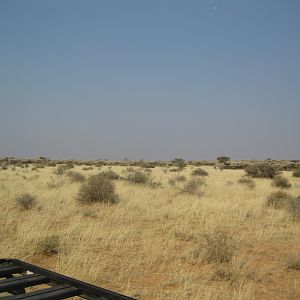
(179, 163)
(110, 174)
(219, 248)
(180, 178)
(223, 159)
(138, 177)
(261, 170)
(199, 172)
(68, 166)
(97, 189)
(173, 181)
(56, 182)
(296, 173)
(75, 176)
(192, 186)
(87, 168)
(48, 246)
(26, 201)
(60, 170)
(293, 208)
(281, 182)
(249, 182)
(278, 200)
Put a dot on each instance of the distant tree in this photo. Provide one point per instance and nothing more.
(179, 163)
(261, 170)
(223, 159)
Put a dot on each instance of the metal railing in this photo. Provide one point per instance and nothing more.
(16, 275)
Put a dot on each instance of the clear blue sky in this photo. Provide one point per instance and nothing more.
(150, 79)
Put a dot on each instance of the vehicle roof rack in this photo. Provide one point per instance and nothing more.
(16, 275)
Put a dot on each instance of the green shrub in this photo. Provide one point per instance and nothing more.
(75, 176)
(261, 170)
(97, 189)
(281, 182)
(278, 199)
(192, 186)
(199, 172)
(26, 201)
(249, 182)
(179, 163)
(223, 159)
(138, 177)
(296, 173)
(219, 247)
(48, 246)
(110, 174)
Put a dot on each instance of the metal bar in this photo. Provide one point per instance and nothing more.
(89, 291)
(9, 270)
(53, 293)
(21, 282)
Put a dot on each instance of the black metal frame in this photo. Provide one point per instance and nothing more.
(59, 286)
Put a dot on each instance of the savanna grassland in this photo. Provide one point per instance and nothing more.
(165, 240)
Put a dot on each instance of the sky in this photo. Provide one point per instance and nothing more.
(154, 80)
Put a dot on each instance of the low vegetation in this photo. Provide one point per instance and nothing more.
(76, 176)
(281, 182)
(192, 186)
(247, 181)
(261, 170)
(296, 173)
(293, 208)
(163, 243)
(97, 189)
(141, 178)
(278, 199)
(48, 246)
(26, 201)
(219, 247)
(199, 172)
(110, 174)
(56, 182)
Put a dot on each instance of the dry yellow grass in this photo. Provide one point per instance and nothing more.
(151, 244)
